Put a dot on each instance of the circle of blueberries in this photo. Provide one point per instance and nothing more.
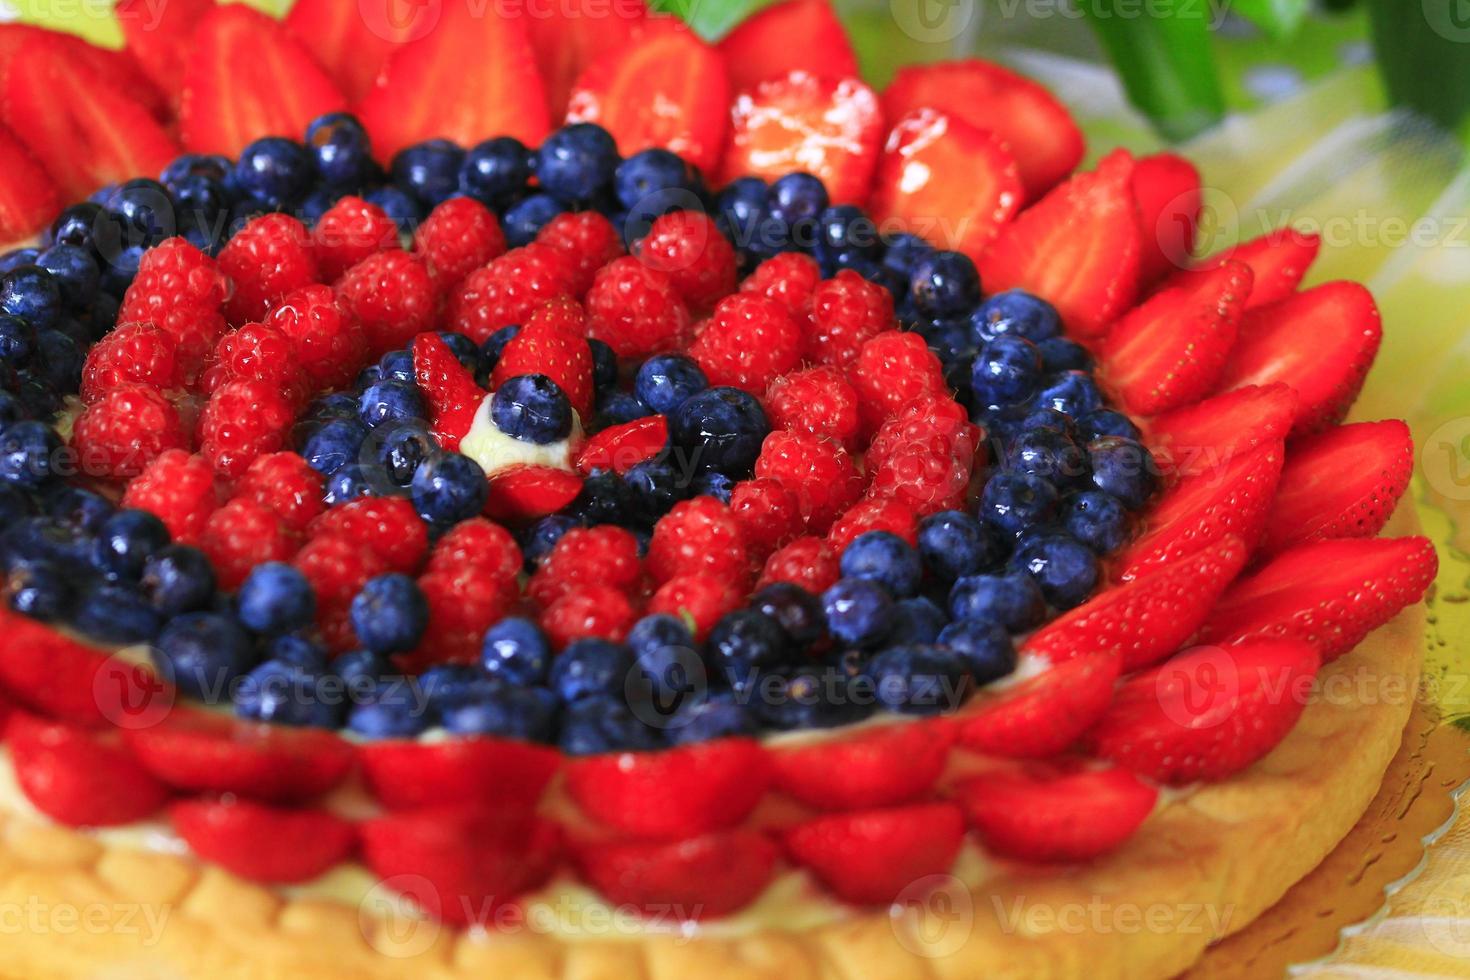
(910, 629)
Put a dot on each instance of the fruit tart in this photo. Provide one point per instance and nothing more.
(567, 499)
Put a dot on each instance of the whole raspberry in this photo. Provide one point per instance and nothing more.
(635, 310)
(847, 312)
(286, 484)
(260, 352)
(242, 420)
(700, 600)
(269, 258)
(337, 566)
(817, 401)
(606, 555)
(241, 535)
(688, 247)
(127, 428)
(891, 371)
(769, 515)
(924, 482)
(936, 423)
(874, 514)
(788, 278)
(748, 342)
(699, 536)
(482, 544)
(179, 489)
(925, 455)
(821, 474)
(588, 611)
(348, 232)
(587, 240)
(392, 296)
(808, 562)
(460, 236)
(328, 341)
(180, 290)
(463, 603)
(389, 527)
(138, 353)
(506, 291)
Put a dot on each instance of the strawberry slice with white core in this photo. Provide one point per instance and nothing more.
(263, 843)
(1056, 812)
(697, 878)
(876, 767)
(1042, 715)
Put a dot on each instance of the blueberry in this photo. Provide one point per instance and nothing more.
(28, 451)
(119, 270)
(78, 507)
(59, 360)
(113, 614)
(605, 498)
(200, 202)
(1123, 468)
(651, 173)
(1064, 568)
(1106, 422)
(429, 170)
(33, 294)
(335, 445)
(286, 693)
(347, 483)
(201, 653)
(17, 257)
(17, 341)
(951, 342)
(845, 233)
(360, 671)
(859, 612)
(813, 696)
(403, 450)
(126, 541)
(918, 680)
(449, 488)
(655, 487)
(618, 408)
(75, 272)
(195, 165)
(516, 651)
(510, 712)
(39, 590)
(1013, 600)
(1007, 371)
(745, 642)
(532, 408)
(945, 284)
(718, 716)
(398, 204)
(604, 365)
(985, 647)
(1099, 520)
(11, 410)
(390, 401)
(525, 218)
(140, 212)
(721, 429)
(1047, 453)
(917, 620)
(340, 150)
(1013, 502)
(589, 668)
(1060, 354)
(276, 598)
(1018, 313)
(494, 345)
(541, 537)
(274, 172)
(667, 659)
(666, 381)
(42, 539)
(884, 558)
(741, 209)
(177, 579)
(316, 204)
(495, 171)
(903, 252)
(713, 484)
(576, 162)
(390, 614)
(76, 226)
(1073, 393)
(603, 724)
(953, 544)
(465, 350)
(396, 708)
(798, 612)
(396, 365)
(292, 648)
(793, 205)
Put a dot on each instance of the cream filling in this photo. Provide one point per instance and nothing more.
(496, 451)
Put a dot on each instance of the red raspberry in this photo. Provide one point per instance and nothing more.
(463, 603)
(893, 370)
(749, 342)
(817, 401)
(925, 456)
(178, 488)
(135, 352)
(697, 258)
(242, 420)
(788, 279)
(934, 422)
(924, 482)
(587, 240)
(847, 312)
(180, 290)
(269, 258)
(328, 341)
(700, 600)
(821, 474)
(348, 232)
(808, 562)
(635, 310)
(241, 535)
(507, 290)
(388, 527)
(874, 514)
(699, 536)
(286, 484)
(481, 544)
(769, 515)
(125, 430)
(260, 352)
(588, 611)
(392, 296)
(605, 555)
(459, 237)
(337, 565)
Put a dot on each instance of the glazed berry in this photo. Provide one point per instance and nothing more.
(605, 498)
(1018, 313)
(604, 365)
(712, 484)
(1124, 469)
(125, 542)
(1060, 354)
(821, 474)
(814, 696)
(496, 171)
(33, 294)
(241, 535)
(918, 680)
(448, 488)
(402, 451)
(944, 284)
(1007, 371)
(845, 234)
(769, 514)
(1072, 393)
(847, 311)
(334, 445)
(429, 170)
(524, 219)
(635, 310)
(202, 653)
(576, 162)
(348, 232)
(586, 240)
(859, 612)
(719, 715)
(77, 225)
(1014, 502)
(28, 451)
(390, 614)
(390, 401)
(603, 724)
(273, 172)
(885, 559)
(340, 151)
(397, 204)
(817, 401)
(720, 429)
(666, 660)
(388, 527)
(953, 544)
(590, 668)
(287, 693)
(509, 290)
(1047, 453)
(38, 589)
(745, 643)
(808, 562)
(653, 178)
(180, 489)
(460, 236)
(1064, 568)
(1106, 422)
(1013, 600)
(17, 341)
(915, 620)
(516, 651)
(268, 259)
(75, 273)
(177, 579)
(798, 612)
(985, 647)
(741, 209)
(540, 538)
(396, 708)
(532, 408)
(748, 343)
(114, 614)
(697, 258)
(243, 420)
(514, 712)
(71, 507)
(275, 598)
(392, 296)
(295, 649)
(699, 536)
(655, 486)
(1097, 519)
(793, 205)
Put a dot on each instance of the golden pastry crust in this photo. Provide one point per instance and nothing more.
(1203, 866)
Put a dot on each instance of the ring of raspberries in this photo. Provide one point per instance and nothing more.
(552, 474)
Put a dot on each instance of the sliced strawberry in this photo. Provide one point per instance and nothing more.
(796, 35)
(1344, 328)
(523, 493)
(554, 343)
(44, 669)
(829, 127)
(158, 36)
(1167, 189)
(84, 131)
(1148, 618)
(1208, 712)
(1207, 434)
(877, 767)
(1036, 127)
(571, 35)
(482, 72)
(1330, 594)
(120, 68)
(1078, 247)
(1279, 260)
(1056, 812)
(353, 41)
(871, 856)
(201, 752)
(667, 89)
(1170, 350)
(621, 447)
(78, 777)
(943, 179)
(676, 793)
(28, 197)
(1204, 507)
(1343, 483)
(263, 843)
(461, 864)
(482, 770)
(1045, 714)
(448, 387)
(702, 878)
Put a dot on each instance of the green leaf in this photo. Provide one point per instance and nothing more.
(711, 19)
(1424, 56)
(1278, 18)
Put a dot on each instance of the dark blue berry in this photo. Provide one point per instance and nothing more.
(596, 725)
(340, 150)
(953, 544)
(1064, 568)
(859, 612)
(347, 483)
(494, 345)
(669, 667)
(1018, 313)
(1073, 393)
(538, 540)
(744, 643)
(903, 252)
(396, 365)
(666, 381)
(28, 453)
(985, 647)
(884, 558)
(516, 651)
(390, 401)
(918, 680)
(1047, 453)
(656, 174)
(402, 450)
(576, 162)
(113, 614)
(1099, 520)
(429, 170)
(77, 226)
(333, 446)
(604, 365)
(618, 408)
(605, 498)
(178, 579)
(140, 212)
(398, 205)
(717, 716)
(76, 507)
(126, 541)
(39, 590)
(1014, 502)
(75, 272)
(741, 209)
(813, 696)
(525, 713)
(293, 648)
(655, 486)
(276, 598)
(1060, 354)
(713, 484)
(1013, 600)
(275, 172)
(1106, 422)
(916, 620)
(31, 293)
(591, 668)
(59, 361)
(286, 693)
(944, 284)
(532, 408)
(17, 341)
(465, 350)
(396, 708)
(1123, 468)
(794, 204)
(496, 171)
(390, 614)
(1007, 371)
(525, 218)
(201, 653)
(798, 612)
(720, 429)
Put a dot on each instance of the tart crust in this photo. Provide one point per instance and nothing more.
(1203, 866)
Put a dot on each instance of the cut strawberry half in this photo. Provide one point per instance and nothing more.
(1208, 712)
(1078, 248)
(872, 856)
(1321, 342)
(871, 768)
(449, 388)
(1205, 507)
(1167, 189)
(43, 669)
(676, 793)
(1279, 260)
(1056, 812)
(796, 35)
(353, 41)
(482, 73)
(554, 343)
(829, 127)
(1045, 714)
(482, 770)
(78, 777)
(668, 89)
(1036, 127)
(234, 91)
(1169, 351)
(125, 73)
(1148, 618)
(524, 493)
(621, 447)
(570, 36)
(461, 864)
(1207, 434)
(28, 198)
(689, 880)
(158, 36)
(200, 752)
(1330, 594)
(943, 179)
(1343, 483)
(263, 843)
